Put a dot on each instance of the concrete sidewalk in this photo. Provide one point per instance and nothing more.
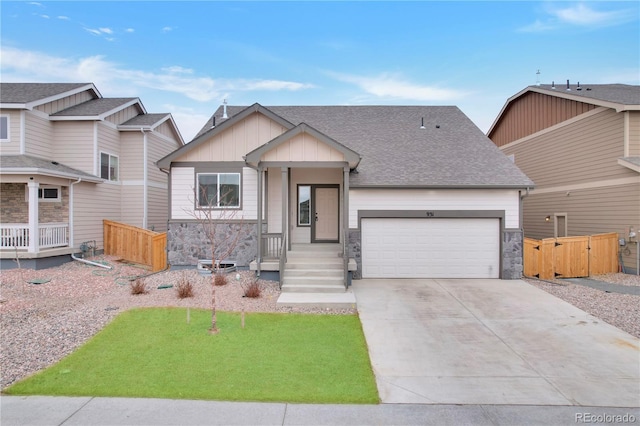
(43, 410)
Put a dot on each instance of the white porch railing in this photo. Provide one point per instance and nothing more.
(16, 235)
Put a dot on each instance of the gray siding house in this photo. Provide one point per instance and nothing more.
(580, 143)
(70, 158)
(388, 191)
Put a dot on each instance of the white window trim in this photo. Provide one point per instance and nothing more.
(41, 189)
(218, 206)
(108, 179)
(8, 138)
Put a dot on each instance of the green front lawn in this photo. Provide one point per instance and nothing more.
(154, 353)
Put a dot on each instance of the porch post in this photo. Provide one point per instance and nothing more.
(285, 202)
(260, 184)
(345, 225)
(34, 235)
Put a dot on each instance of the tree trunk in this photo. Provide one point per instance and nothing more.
(214, 327)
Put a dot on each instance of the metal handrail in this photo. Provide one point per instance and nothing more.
(345, 261)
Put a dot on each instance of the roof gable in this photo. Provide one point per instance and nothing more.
(30, 95)
(296, 143)
(97, 109)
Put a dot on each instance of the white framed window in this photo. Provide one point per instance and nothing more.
(4, 128)
(109, 168)
(218, 190)
(304, 205)
(46, 193)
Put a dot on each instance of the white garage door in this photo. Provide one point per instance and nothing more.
(430, 248)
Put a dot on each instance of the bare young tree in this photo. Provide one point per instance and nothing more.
(217, 205)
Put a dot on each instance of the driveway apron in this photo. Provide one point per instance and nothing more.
(489, 341)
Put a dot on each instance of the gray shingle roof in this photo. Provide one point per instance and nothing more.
(17, 163)
(397, 152)
(145, 120)
(94, 107)
(624, 94)
(21, 93)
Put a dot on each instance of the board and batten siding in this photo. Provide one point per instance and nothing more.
(274, 200)
(73, 143)
(441, 199)
(124, 115)
(303, 147)
(12, 146)
(580, 152)
(183, 196)
(235, 142)
(66, 102)
(39, 132)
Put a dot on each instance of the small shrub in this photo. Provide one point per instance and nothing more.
(184, 288)
(220, 279)
(252, 290)
(138, 287)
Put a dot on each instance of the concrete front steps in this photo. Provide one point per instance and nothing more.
(314, 277)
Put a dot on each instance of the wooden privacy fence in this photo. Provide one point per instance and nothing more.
(135, 244)
(570, 257)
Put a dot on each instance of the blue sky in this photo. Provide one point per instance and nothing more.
(186, 57)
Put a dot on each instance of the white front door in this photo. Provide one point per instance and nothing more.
(327, 210)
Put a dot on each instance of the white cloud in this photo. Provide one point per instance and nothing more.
(23, 65)
(580, 15)
(106, 30)
(63, 18)
(129, 30)
(167, 29)
(44, 16)
(34, 3)
(393, 86)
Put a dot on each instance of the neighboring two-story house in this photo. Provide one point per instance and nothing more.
(70, 158)
(581, 146)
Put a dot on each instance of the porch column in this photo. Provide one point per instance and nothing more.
(345, 224)
(34, 235)
(260, 189)
(285, 203)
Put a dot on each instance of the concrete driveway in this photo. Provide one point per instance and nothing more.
(490, 341)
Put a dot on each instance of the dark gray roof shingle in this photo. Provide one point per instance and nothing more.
(94, 107)
(145, 119)
(396, 152)
(624, 94)
(21, 93)
(9, 163)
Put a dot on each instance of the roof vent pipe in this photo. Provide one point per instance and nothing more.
(224, 109)
(213, 124)
(553, 85)
(568, 88)
(422, 123)
(578, 88)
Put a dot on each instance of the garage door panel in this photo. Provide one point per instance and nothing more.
(430, 248)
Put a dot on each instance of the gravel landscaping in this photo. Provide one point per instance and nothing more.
(42, 323)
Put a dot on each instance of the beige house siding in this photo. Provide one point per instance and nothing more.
(132, 212)
(73, 143)
(303, 147)
(582, 151)
(589, 211)
(167, 130)
(236, 141)
(123, 115)
(66, 102)
(183, 193)
(158, 209)
(109, 143)
(92, 204)
(634, 133)
(12, 146)
(39, 132)
(131, 156)
(425, 199)
(158, 147)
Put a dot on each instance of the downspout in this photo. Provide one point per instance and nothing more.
(259, 214)
(145, 179)
(71, 226)
(166, 249)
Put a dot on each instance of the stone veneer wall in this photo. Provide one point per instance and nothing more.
(187, 242)
(512, 254)
(512, 246)
(15, 207)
